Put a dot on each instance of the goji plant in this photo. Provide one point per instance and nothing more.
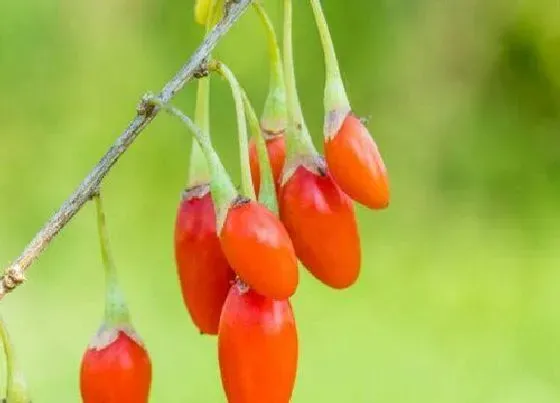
(237, 249)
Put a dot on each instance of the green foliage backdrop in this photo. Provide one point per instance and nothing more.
(458, 300)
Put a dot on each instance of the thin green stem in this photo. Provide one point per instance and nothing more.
(8, 353)
(221, 187)
(298, 140)
(274, 117)
(116, 310)
(335, 93)
(198, 169)
(267, 192)
(246, 180)
(16, 387)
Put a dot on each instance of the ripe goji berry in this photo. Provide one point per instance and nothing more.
(259, 249)
(356, 164)
(321, 222)
(257, 348)
(115, 368)
(276, 148)
(204, 273)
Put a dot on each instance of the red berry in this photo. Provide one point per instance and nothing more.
(204, 273)
(115, 369)
(258, 348)
(356, 164)
(259, 249)
(321, 222)
(276, 147)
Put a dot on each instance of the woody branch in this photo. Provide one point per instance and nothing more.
(14, 274)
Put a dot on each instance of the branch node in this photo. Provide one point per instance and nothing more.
(146, 105)
(202, 70)
(13, 276)
(228, 5)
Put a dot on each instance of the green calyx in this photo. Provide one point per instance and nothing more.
(221, 187)
(247, 189)
(116, 309)
(16, 387)
(337, 105)
(299, 145)
(275, 115)
(267, 191)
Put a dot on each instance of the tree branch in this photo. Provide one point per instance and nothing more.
(14, 275)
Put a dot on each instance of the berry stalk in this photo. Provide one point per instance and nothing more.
(267, 193)
(274, 117)
(205, 12)
(298, 140)
(222, 188)
(198, 168)
(116, 310)
(242, 137)
(16, 387)
(335, 93)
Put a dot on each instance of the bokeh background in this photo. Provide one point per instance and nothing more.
(459, 296)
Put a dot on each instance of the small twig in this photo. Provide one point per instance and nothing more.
(195, 67)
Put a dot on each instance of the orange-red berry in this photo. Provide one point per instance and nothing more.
(356, 164)
(259, 249)
(115, 369)
(204, 272)
(321, 221)
(258, 348)
(276, 148)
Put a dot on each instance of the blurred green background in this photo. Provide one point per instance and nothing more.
(458, 300)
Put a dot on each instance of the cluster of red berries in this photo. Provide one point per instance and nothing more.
(236, 254)
(237, 260)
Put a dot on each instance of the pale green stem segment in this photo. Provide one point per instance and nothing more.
(246, 180)
(335, 93)
(298, 140)
(198, 168)
(16, 387)
(267, 191)
(116, 310)
(275, 114)
(221, 187)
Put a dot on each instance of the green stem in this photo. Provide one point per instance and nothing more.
(16, 387)
(267, 192)
(335, 93)
(221, 187)
(246, 180)
(298, 140)
(274, 117)
(116, 310)
(198, 170)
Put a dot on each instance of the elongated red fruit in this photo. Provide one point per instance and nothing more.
(276, 147)
(259, 249)
(257, 348)
(204, 273)
(356, 164)
(321, 222)
(115, 368)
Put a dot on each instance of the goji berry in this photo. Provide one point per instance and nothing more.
(257, 348)
(204, 273)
